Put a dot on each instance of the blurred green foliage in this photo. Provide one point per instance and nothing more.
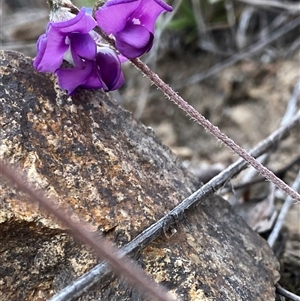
(184, 17)
(213, 14)
(86, 3)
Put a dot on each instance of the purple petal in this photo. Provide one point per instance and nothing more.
(112, 17)
(81, 23)
(122, 58)
(84, 45)
(136, 35)
(134, 41)
(147, 13)
(77, 60)
(119, 83)
(164, 5)
(93, 81)
(117, 2)
(51, 49)
(110, 69)
(71, 78)
(41, 46)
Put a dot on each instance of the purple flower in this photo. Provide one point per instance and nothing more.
(72, 40)
(102, 72)
(132, 22)
(60, 36)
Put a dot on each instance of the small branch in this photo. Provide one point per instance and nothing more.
(99, 272)
(285, 293)
(121, 265)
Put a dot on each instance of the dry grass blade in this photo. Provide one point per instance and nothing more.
(290, 7)
(239, 56)
(293, 103)
(120, 265)
(284, 210)
(82, 284)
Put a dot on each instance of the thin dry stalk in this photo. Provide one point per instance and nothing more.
(121, 265)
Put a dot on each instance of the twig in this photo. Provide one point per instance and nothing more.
(285, 293)
(82, 284)
(121, 265)
(239, 56)
(284, 210)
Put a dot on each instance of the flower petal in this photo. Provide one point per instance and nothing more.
(113, 15)
(110, 69)
(134, 41)
(147, 13)
(71, 78)
(41, 46)
(164, 5)
(51, 49)
(84, 45)
(119, 83)
(93, 81)
(81, 23)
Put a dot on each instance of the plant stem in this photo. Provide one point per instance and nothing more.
(201, 120)
(212, 129)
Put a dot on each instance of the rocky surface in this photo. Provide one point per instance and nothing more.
(90, 154)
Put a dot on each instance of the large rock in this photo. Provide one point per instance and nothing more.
(90, 154)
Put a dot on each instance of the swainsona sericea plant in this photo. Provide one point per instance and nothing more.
(93, 64)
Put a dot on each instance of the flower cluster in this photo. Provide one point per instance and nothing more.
(93, 64)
